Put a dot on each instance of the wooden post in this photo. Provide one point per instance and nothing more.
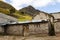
(26, 30)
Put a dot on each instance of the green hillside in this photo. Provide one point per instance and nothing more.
(5, 6)
(21, 17)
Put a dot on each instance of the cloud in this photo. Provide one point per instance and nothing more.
(58, 1)
(18, 4)
(41, 3)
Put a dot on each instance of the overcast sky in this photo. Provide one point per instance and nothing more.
(49, 6)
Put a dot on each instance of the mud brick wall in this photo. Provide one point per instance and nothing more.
(1, 30)
(28, 29)
(57, 27)
(15, 29)
(40, 28)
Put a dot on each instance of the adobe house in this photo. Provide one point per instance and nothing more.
(27, 29)
(43, 16)
(57, 27)
(56, 16)
(56, 22)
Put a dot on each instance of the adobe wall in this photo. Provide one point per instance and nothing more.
(56, 15)
(28, 29)
(41, 28)
(57, 27)
(15, 29)
(1, 30)
(40, 17)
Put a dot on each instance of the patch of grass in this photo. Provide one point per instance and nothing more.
(5, 11)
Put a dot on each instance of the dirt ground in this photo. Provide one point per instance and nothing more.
(29, 38)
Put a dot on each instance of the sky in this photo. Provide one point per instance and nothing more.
(49, 6)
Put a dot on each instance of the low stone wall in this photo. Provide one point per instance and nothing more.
(28, 29)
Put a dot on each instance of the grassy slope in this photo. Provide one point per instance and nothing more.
(5, 11)
(22, 17)
(17, 15)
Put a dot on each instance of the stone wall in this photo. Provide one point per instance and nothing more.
(15, 29)
(28, 29)
(57, 27)
(56, 15)
(1, 30)
(40, 17)
(41, 28)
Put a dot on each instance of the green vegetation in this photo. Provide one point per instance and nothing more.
(6, 11)
(5, 6)
(22, 17)
(17, 14)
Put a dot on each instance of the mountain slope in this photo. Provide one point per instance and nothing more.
(7, 6)
(29, 10)
(21, 17)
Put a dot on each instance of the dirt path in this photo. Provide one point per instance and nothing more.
(29, 38)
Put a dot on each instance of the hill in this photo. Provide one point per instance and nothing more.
(29, 10)
(5, 6)
(21, 17)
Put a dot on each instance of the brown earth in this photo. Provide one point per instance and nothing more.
(29, 38)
